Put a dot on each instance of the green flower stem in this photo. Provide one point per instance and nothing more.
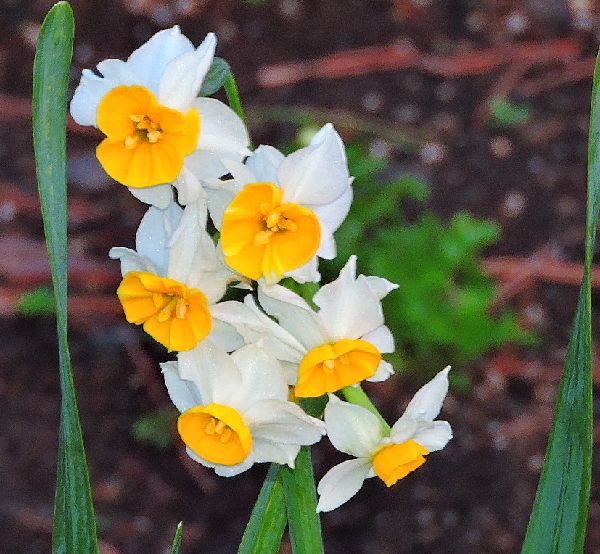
(233, 96)
(355, 395)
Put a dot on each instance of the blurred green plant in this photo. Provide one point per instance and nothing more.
(441, 310)
(37, 303)
(155, 428)
(505, 113)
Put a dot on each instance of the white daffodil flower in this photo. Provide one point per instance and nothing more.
(174, 278)
(389, 455)
(235, 411)
(157, 129)
(337, 346)
(278, 214)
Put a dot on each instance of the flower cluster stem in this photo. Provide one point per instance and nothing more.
(356, 395)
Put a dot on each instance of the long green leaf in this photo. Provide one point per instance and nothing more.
(267, 522)
(559, 518)
(176, 546)
(74, 522)
(301, 503)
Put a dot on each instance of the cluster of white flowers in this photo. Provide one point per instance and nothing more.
(243, 367)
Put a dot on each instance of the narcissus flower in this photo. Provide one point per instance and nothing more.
(279, 213)
(155, 126)
(339, 345)
(173, 279)
(235, 411)
(389, 455)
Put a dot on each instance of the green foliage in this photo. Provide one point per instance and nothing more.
(505, 113)
(74, 522)
(269, 517)
(155, 428)
(216, 77)
(176, 546)
(301, 504)
(559, 517)
(441, 311)
(37, 303)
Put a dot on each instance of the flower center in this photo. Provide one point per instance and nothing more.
(145, 142)
(395, 461)
(216, 433)
(145, 130)
(263, 236)
(333, 366)
(172, 313)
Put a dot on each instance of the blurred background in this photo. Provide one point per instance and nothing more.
(466, 124)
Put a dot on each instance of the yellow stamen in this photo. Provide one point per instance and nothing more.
(216, 433)
(395, 461)
(172, 313)
(333, 366)
(145, 142)
(262, 236)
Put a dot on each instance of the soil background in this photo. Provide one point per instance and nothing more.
(473, 497)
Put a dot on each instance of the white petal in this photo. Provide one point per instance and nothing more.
(254, 326)
(380, 286)
(213, 372)
(183, 394)
(189, 246)
(267, 451)
(88, 94)
(154, 235)
(224, 335)
(224, 471)
(197, 168)
(327, 248)
(352, 429)
(264, 163)
(427, 403)
(232, 471)
(341, 483)
(384, 371)
(221, 129)
(433, 435)
(160, 195)
(308, 273)
(280, 421)
(349, 309)
(131, 260)
(404, 429)
(219, 195)
(182, 79)
(381, 338)
(317, 174)
(149, 61)
(262, 376)
(332, 215)
(293, 314)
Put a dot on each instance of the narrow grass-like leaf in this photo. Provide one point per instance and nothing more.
(177, 539)
(267, 522)
(301, 504)
(74, 522)
(216, 77)
(559, 518)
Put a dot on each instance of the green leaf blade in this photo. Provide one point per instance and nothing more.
(176, 546)
(301, 503)
(74, 521)
(559, 518)
(268, 520)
